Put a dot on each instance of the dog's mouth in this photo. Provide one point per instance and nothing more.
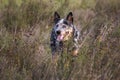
(60, 37)
(63, 37)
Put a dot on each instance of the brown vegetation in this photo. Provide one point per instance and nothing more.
(24, 40)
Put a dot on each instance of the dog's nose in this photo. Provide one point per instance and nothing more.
(58, 32)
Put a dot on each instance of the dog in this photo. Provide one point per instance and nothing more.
(63, 31)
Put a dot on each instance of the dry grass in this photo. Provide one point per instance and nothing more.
(24, 40)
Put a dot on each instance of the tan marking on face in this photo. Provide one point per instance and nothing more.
(67, 33)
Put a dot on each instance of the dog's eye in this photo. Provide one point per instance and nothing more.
(64, 26)
(56, 25)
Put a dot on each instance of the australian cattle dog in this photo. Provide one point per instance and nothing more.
(63, 31)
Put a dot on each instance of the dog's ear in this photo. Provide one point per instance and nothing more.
(70, 17)
(56, 17)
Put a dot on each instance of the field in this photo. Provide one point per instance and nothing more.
(25, 27)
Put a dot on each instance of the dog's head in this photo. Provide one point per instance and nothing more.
(63, 27)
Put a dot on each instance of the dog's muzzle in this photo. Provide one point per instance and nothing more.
(58, 32)
(59, 36)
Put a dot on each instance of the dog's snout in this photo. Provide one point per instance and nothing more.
(58, 32)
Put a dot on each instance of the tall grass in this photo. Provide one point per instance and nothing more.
(24, 40)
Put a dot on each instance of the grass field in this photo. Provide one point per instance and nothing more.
(25, 27)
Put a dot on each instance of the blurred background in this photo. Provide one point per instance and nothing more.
(25, 27)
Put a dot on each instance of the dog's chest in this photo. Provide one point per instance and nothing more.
(68, 45)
